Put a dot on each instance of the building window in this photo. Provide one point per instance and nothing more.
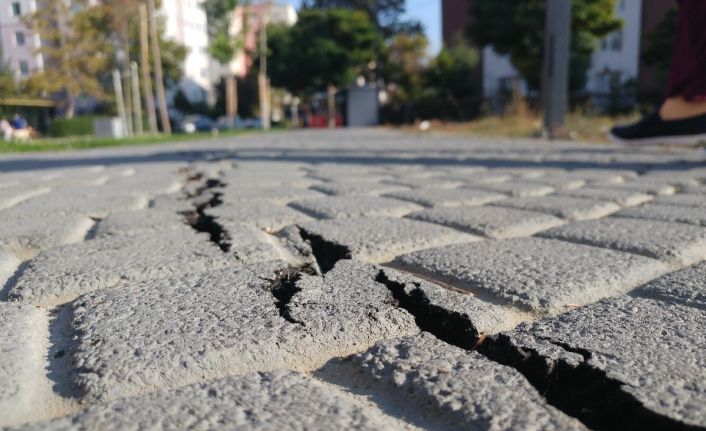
(616, 43)
(20, 38)
(24, 68)
(16, 8)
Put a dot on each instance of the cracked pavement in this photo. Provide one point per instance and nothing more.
(354, 279)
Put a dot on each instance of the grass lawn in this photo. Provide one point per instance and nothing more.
(581, 127)
(84, 142)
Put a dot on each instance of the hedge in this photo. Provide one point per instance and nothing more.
(77, 126)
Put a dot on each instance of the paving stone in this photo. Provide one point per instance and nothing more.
(226, 322)
(62, 273)
(95, 201)
(176, 202)
(357, 188)
(647, 185)
(445, 387)
(672, 242)
(354, 206)
(236, 195)
(21, 328)
(475, 177)
(423, 182)
(670, 213)
(653, 349)
(11, 196)
(570, 208)
(515, 188)
(445, 197)
(30, 232)
(380, 239)
(605, 176)
(686, 199)
(493, 222)
(263, 214)
(139, 222)
(277, 400)
(624, 198)
(560, 182)
(685, 287)
(534, 274)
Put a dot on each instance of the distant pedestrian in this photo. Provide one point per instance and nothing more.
(18, 123)
(681, 119)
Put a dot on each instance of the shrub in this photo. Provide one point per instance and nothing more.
(77, 126)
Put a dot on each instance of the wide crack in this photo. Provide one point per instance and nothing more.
(326, 253)
(202, 222)
(284, 287)
(583, 392)
(449, 326)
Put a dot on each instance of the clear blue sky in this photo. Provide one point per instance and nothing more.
(426, 11)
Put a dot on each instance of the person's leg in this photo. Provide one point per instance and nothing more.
(682, 116)
(686, 89)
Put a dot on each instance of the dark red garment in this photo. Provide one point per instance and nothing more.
(687, 77)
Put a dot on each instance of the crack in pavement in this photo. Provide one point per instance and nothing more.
(580, 391)
(326, 253)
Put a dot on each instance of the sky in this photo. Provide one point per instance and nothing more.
(426, 11)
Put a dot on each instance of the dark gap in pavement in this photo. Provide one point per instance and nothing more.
(326, 253)
(10, 283)
(202, 222)
(284, 287)
(91, 232)
(449, 326)
(583, 392)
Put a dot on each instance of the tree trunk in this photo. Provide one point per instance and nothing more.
(127, 86)
(231, 98)
(70, 105)
(331, 96)
(158, 76)
(145, 69)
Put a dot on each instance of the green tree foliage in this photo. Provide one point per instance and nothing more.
(8, 84)
(222, 45)
(324, 47)
(516, 28)
(404, 63)
(450, 85)
(76, 48)
(657, 54)
(385, 14)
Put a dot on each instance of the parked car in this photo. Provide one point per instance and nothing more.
(224, 123)
(197, 123)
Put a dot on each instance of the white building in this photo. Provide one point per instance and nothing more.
(618, 57)
(18, 43)
(186, 22)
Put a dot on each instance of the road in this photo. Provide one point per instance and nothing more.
(362, 279)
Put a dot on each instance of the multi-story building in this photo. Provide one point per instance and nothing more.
(247, 22)
(185, 23)
(19, 44)
(616, 61)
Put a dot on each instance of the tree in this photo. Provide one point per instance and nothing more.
(657, 54)
(451, 88)
(76, 49)
(385, 14)
(516, 28)
(324, 49)
(404, 62)
(223, 46)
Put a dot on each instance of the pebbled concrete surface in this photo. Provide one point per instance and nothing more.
(356, 279)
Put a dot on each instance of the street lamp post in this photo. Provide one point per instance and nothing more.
(555, 71)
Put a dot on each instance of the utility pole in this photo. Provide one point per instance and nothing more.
(154, 36)
(135, 80)
(262, 74)
(119, 102)
(145, 66)
(555, 70)
(127, 86)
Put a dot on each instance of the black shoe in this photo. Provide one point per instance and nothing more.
(653, 130)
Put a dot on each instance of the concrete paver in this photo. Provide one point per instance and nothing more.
(493, 222)
(446, 197)
(539, 275)
(569, 208)
(354, 206)
(670, 213)
(686, 287)
(660, 240)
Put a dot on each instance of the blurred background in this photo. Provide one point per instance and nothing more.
(121, 69)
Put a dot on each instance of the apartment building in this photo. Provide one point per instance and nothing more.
(18, 43)
(185, 23)
(616, 60)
